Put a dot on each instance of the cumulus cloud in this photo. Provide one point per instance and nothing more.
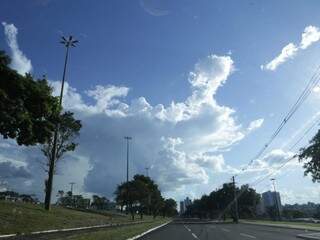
(19, 61)
(273, 163)
(181, 142)
(310, 35)
(9, 170)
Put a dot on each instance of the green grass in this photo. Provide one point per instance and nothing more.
(25, 218)
(119, 233)
(298, 224)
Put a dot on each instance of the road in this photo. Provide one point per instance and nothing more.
(221, 232)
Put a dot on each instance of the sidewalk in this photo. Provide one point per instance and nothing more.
(310, 236)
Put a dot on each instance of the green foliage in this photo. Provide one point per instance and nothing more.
(68, 130)
(142, 194)
(317, 213)
(272, 212)
(28, 110)
(220, 202)
(292, 214)
(99, 203)
(169, 208)
(311, 155)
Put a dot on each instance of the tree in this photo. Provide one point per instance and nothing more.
(169, 208)
(272, 212)
(68, 129)
(312, 156)
(248, 201)
(100, 203)
(141, 194)
(28, 109)
(317, 213)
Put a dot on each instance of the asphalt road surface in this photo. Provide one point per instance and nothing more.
(174, 231)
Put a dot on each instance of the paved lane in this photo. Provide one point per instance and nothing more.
(221, 232)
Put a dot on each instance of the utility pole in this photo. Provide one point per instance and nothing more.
(70, 42)
(276, 198)
(147, 171)
(71, 189)
(236, 212)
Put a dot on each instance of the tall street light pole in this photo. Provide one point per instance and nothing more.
(127, 193)
(128, 139)
(67, 42)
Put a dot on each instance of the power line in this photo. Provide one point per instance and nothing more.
(317, 121)
(314, 81)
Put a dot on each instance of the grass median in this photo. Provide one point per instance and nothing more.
(26, 218)
(118, 233)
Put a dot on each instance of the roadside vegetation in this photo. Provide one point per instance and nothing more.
(26, 217)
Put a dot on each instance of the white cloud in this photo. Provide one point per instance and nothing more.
(182, 141)
(310, 35)
(287, 52)
(255, 124)
(19, 61)
(274, 163)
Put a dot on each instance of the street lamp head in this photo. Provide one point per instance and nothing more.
(70, 42)
(128, 138)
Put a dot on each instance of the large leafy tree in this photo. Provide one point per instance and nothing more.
(311, 157)
(28, 110)
(169, 208)
(68, 129)
(141, 194)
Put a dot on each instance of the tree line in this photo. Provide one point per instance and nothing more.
(142, 195)
(220, 203)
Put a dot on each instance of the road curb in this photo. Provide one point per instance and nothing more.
(5, 236)
(308, 236)
(149, 231)
(282, 226)
(204, 222)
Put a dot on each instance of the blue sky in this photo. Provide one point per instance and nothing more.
(148, 48)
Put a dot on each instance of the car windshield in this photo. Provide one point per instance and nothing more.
(159, 119)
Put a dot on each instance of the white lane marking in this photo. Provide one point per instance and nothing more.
(247, 235)
(148, 231)
(195, 236)
(224, 229)
(187, 228)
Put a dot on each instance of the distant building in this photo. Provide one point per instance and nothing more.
(269, 199)
(187, 202)
(182, 208)
(184, 204)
